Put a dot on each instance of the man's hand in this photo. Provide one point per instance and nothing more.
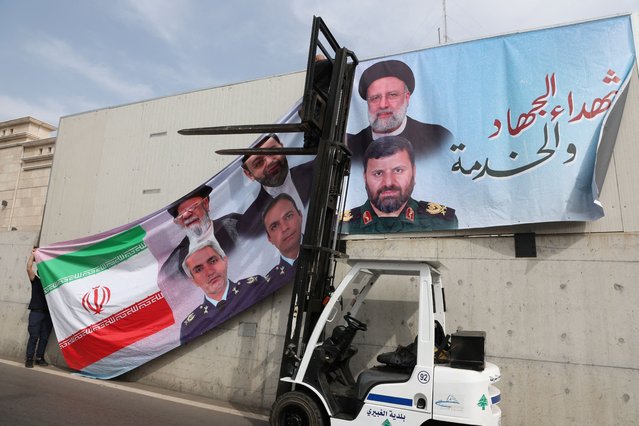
(30, 272)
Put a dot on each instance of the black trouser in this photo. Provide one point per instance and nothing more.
(40, 326)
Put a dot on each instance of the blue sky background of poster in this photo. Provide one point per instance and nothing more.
(466, 86)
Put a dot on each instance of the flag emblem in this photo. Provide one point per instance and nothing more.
(94, 300)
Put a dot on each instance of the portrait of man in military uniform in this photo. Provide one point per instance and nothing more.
(389, 176)
(206, 265)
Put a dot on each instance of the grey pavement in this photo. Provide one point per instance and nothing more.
(51, 396)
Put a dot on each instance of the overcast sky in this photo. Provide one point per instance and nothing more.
(64, 57)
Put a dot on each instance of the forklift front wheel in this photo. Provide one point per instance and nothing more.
(296, 409)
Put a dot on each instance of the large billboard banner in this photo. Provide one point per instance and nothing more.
(504, 130)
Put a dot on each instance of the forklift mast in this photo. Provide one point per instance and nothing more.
(324, 112)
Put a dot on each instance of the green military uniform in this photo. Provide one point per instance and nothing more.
(417, 216)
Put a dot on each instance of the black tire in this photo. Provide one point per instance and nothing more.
(296, 409)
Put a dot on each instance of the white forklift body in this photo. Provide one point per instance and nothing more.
(432, 390)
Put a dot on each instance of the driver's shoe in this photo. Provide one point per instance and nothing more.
(403, 356)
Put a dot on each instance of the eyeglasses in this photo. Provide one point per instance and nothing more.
(390, 97)
(189, 210)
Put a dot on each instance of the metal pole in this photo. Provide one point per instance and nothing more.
(445, 22)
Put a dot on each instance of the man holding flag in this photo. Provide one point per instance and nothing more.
(40, 324)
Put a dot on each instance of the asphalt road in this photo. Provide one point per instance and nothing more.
(50, 396)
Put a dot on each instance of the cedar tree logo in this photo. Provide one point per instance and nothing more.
(94, 300)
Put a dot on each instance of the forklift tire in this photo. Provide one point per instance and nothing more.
(296, 409)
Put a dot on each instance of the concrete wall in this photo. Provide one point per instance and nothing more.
(15, 293)
(115, 165)
(562, 326)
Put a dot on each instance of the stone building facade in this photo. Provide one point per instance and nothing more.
(26, 155)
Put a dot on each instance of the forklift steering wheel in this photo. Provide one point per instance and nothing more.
(355, 323)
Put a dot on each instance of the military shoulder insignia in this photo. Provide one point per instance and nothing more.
(353, 214)
(367, 217)
(410, 214)
(435, 209)
(250, 280)
(189, 318)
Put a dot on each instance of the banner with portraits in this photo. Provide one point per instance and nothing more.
(504, 130)
(500, 131)
(126, 296)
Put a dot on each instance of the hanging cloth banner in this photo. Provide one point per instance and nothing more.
(126, 296)
(501, 131)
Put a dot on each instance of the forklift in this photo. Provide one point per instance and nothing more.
(430, 381)
(437, 379)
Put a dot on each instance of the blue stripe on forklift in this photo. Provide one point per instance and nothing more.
(390, 399)
(495, 399)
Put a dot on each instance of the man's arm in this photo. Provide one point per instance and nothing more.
(30, 271)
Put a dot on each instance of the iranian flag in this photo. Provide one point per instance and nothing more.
(104, 298)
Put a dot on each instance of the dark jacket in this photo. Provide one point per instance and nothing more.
(38, 302)
(241, 295)
(250, 223)
(426, 139)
